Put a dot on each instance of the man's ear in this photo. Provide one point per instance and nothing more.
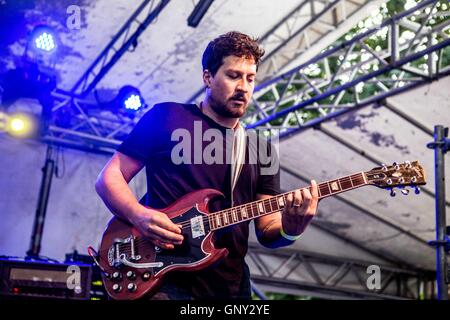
(207, 76)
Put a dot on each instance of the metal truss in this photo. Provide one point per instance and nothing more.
(300, 31)
(353, 74)
(343, 78)
(127, 37)
(82, 124)
(290, 271)
(302, 28)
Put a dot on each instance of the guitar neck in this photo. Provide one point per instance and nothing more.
(255, 209)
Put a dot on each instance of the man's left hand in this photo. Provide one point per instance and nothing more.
(300, 208)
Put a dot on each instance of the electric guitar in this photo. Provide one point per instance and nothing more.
(133, 266)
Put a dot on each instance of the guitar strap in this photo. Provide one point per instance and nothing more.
(237, 156)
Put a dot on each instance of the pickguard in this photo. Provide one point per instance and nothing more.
(190, 251)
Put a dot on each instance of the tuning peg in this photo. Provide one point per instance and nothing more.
(384, 167)
(392, 193)
(408, 164)
(397, 167)
(405, 191)
(416, 190)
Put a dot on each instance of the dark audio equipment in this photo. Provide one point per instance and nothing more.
(41, 279)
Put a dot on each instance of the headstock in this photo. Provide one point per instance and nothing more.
(398, 175)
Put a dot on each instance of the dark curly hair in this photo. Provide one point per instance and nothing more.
(230, 44)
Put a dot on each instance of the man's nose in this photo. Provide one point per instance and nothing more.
(243, 85)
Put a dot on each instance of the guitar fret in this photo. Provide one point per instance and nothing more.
(363, 177)
(233, 213)
(250, 211)
(238, 213)
(328, 188)
(225, 217)
(244, 212)
(274, 204)
(218, 220)
(281, 202)
(324, 190)
(211, 222)
(266, 206)
(260, 207)
(270, 204)
(345, 184)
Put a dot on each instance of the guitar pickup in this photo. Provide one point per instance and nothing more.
(197, 227)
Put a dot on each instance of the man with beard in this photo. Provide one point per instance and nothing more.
(229, 68)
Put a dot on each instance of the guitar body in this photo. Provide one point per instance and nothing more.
(126, 257)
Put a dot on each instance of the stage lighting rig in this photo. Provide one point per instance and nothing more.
(27, 81)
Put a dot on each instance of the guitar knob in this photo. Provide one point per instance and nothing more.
(117, 275)
(131, 275)
(146, 276)
(117, 287)
(405, 191)
(416, 190)
(392, 193)
(131, 287)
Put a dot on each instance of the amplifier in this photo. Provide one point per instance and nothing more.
(38, 279)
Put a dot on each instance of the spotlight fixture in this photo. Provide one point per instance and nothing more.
(199, 11)
(129, 100)
(44, 39)
(20, 125)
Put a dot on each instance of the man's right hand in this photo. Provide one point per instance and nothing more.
(156, 226)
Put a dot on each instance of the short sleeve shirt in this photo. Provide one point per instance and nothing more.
(184, 151)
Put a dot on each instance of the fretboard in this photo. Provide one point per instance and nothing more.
(255, 209)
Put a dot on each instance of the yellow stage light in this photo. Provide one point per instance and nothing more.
(21, 125)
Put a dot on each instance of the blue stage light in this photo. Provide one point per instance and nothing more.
(44, 39)
(129, 99)
(45, 42)
(133, 102)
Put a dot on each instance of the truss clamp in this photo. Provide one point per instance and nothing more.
(443, 143)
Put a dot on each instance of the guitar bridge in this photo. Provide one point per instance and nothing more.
(117, 258)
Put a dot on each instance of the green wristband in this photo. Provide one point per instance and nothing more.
(288, 237)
